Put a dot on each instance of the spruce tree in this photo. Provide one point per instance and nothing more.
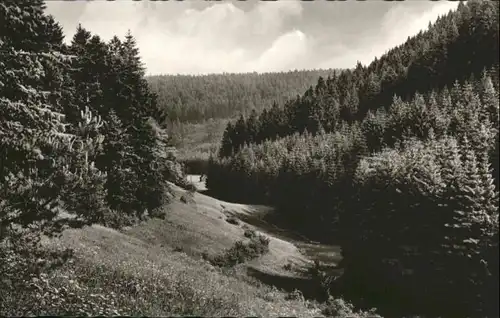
(136, 107)
(116, 160)
(227, 143)
(489, 97)
(253, 127)
(41, 162)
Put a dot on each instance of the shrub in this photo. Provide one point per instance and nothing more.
(295, 295)
(233, 220)
(189, 186)
(250, 233)
(287, 267)
(160, 213)
(117, 220)
(196, 165)
(242, 252)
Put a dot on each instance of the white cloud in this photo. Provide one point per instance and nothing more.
(195, 40)
(285, 51)
(182, 37)
(397, 24)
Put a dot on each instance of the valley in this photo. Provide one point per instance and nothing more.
(316, 187)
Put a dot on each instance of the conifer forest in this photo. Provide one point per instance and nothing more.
(394, 164)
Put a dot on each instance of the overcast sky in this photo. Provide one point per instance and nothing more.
(199, 37)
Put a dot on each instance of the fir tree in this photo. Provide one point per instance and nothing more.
(138, 106)
(41, 161)
(117, 160)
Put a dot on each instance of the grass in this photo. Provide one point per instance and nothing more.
(143, 279)
(201, 227)
(156, 268)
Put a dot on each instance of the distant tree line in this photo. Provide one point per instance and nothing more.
(196, 98)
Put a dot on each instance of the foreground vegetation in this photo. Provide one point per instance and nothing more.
(158, 271)
(397, 162)
(140, 280)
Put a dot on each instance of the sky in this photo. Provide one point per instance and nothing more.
(201, 37)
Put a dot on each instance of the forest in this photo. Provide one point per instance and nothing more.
(396, 161)
(196, 98)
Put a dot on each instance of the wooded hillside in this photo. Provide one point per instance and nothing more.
(396, 161)
(189, 98)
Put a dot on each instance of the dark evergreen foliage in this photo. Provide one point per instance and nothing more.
(111, 79)
(78, 139)
(44, 163)
(397, 162)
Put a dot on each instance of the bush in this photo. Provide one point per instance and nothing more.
(196, 165)
(287, 267)
(189, 186)
(24, 266)
(250, 233)
(242, 252)
(233, 220)
(295, 295)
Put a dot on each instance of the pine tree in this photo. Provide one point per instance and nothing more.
(117, 159)
(490, 102)
(253, 127)
(89, 71)
(265, 126)
(439, 116)
(40, 158)
(137, 109)
(277, 122)
(240, 133)
(80, 69)
(227, 144)
(373, 128)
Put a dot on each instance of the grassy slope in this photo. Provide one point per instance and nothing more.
(161, 257)
(200, 226)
